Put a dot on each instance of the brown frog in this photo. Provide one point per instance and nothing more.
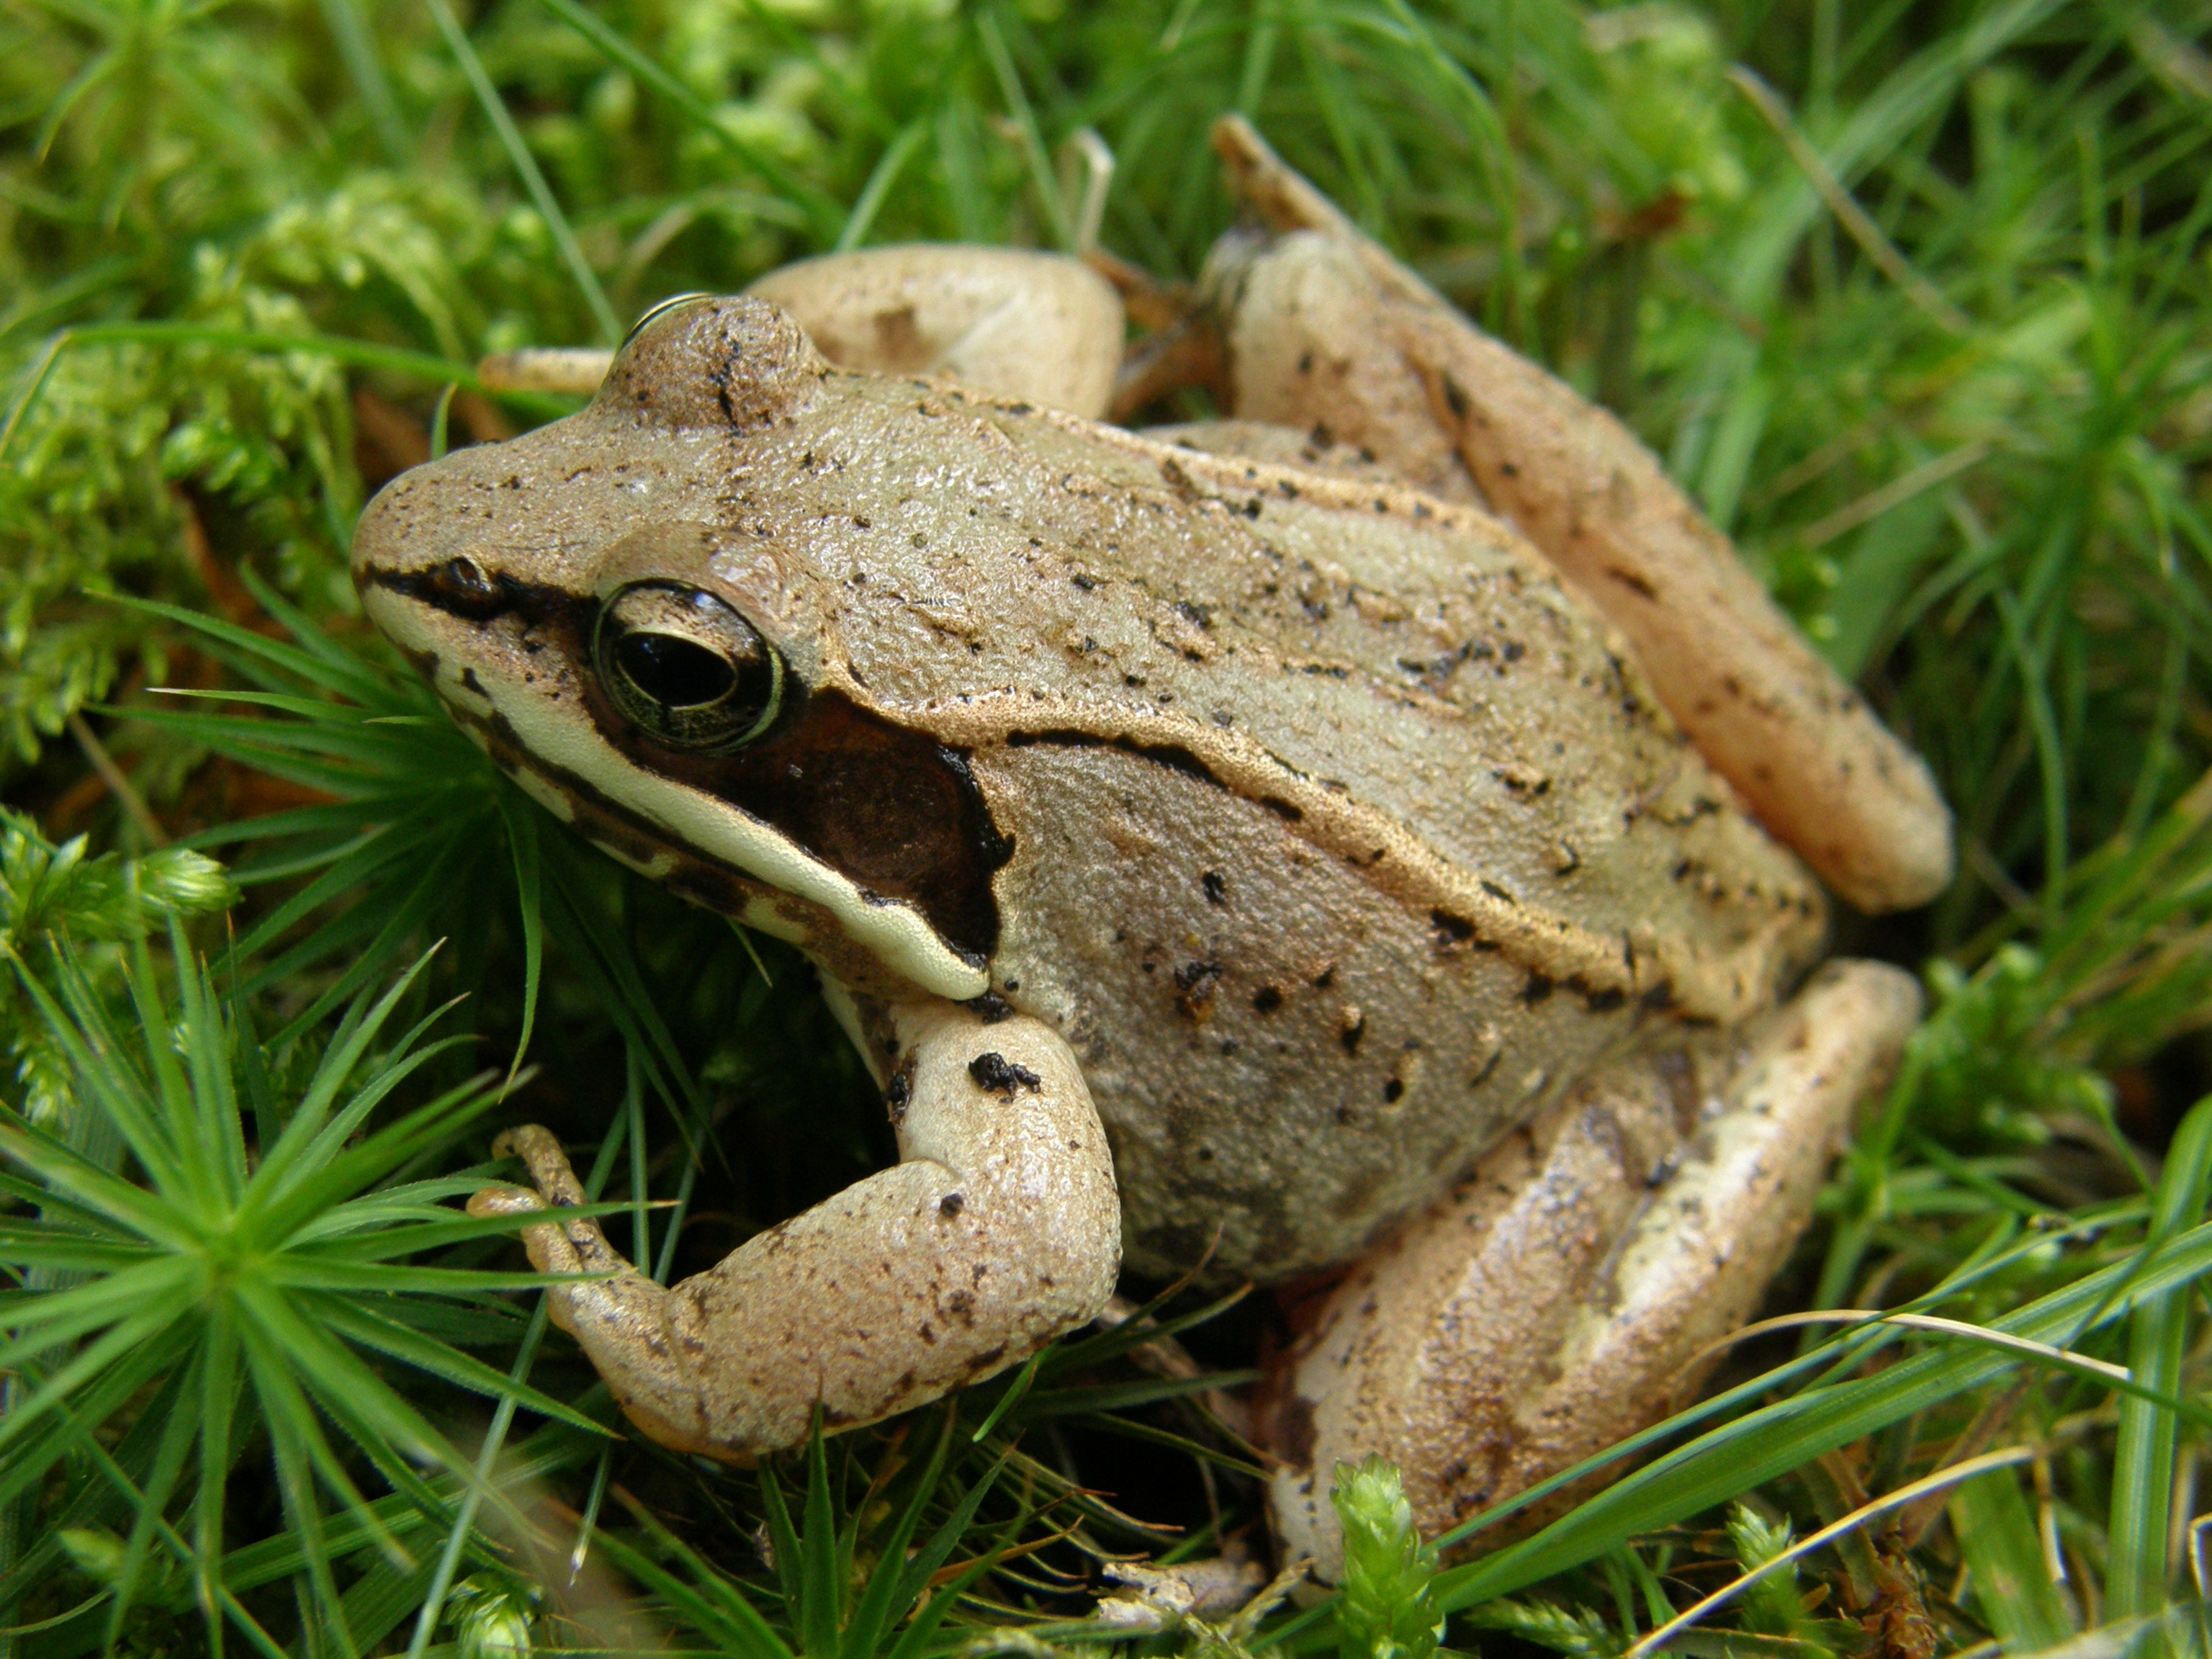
(1361, 838)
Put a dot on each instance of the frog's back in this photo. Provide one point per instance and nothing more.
(1341, 834)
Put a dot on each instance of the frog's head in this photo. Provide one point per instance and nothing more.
(599, 608)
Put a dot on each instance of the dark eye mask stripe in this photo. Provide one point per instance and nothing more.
(498, 596)
(889, 809)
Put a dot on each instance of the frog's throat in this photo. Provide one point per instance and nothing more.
(559, 760)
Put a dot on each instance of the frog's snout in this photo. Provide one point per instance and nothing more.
(729, 364)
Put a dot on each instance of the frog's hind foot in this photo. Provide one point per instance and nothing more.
(999, 1231)
(1559, 1299)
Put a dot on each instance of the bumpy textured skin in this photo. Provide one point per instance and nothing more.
(1023, 324)
(1561, 1297)
(997, 1230)
(1341, 835)
(1323, 324)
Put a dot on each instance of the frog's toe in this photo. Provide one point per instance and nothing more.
(504, 1200)
(1566, 1294)
(541, 1154)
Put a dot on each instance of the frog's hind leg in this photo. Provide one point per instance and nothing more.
(1320, 324)
(1557, 1301)
(1000, 1230)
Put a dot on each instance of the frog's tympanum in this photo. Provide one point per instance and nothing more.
(1362, 838)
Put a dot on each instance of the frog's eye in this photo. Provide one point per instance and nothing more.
(680, 663)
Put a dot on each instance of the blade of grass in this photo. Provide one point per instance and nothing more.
(525, 168)
(1728, 1461)
(456, 1539)
(825, 213)
(1997, 1537)
(2136, 1565)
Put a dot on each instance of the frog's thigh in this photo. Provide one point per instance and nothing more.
(998, 1231)
(1551, 1305)
(1322, 325)
(1004, 320)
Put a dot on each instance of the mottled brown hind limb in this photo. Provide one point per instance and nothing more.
(1322, 325)
(1556, 1301)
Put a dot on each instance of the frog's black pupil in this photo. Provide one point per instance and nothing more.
(674, 672)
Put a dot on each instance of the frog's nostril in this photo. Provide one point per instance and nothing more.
(460, 586)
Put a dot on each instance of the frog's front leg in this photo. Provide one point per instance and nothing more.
(999, 1230)
(1559, 1299)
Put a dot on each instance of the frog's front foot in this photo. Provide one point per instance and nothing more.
(1567, 1293)
(1000, 1230)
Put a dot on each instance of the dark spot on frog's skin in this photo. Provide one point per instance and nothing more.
(860, 523)
(1281, 808)
(1489, 1069)
(1498, 893)
(1267, 999)
(961, 1304)
(1197, 615)
(1217, 890)
(1538, 987)
(1326, 978)
(899, 1091)
(1173, 757)
(1659, 998)
(991, 1007)
(469, 679)
(996, 1075)
(1195, 984)
(1087, 584)
(1451, 931)
(1602, 1001)
(1352, 1030)
(1295, 1432)
(1630, 581)
(1394, 1091)
(1455, 397)
(950, 1205)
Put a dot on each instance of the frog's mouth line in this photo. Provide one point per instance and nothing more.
(896, 816)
